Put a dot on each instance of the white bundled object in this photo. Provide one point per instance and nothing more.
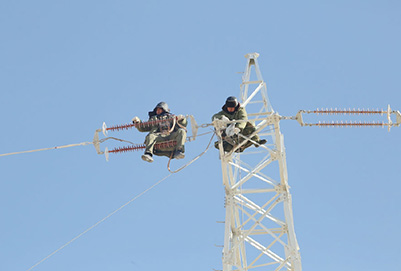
(221, 123)
(232, 130)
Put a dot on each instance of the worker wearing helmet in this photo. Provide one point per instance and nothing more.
(232, 110)
(163, 126)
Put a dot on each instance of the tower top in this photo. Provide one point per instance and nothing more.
(252, 55)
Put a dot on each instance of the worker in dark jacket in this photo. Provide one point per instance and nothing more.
(232, 110)
(163, 126)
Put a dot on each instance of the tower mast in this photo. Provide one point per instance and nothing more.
(259, 228)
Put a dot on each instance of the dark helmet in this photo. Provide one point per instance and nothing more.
(163, 106)
(231, 102)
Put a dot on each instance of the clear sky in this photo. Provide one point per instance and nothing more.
(67, 66)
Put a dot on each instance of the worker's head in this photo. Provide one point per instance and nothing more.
(231, 104)
(161, 108)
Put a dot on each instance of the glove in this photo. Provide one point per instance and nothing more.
(180, 117)
(135, 120)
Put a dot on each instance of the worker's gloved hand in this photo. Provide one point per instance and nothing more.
(220, 123)
(136, 120)
(232, 130)
(180, 117)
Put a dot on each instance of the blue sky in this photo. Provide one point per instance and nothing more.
(67, 66)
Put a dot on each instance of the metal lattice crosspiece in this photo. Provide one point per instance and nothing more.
(259, 229)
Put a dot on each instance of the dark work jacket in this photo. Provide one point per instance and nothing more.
(238, 114)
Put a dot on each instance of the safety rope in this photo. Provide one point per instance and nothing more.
(190, 162)
(172, 128)
(100, 221)
(115, 138)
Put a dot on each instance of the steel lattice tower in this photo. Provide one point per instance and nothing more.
(259, 228)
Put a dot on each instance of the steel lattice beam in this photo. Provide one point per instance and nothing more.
(259, 230)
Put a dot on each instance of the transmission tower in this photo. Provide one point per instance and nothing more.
(259, 228)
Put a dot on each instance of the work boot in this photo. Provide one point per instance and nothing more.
(260, 142)
(147, 157)
(178, 154)
(216, 144)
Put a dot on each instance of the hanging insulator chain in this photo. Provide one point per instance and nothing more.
(158, 146)
(348, 124)
(165, 144)
(128, 148)
(344, 111)
(145, 124)
(390, 123)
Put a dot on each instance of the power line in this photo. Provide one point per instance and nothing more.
(100, 221)
(46, 149)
